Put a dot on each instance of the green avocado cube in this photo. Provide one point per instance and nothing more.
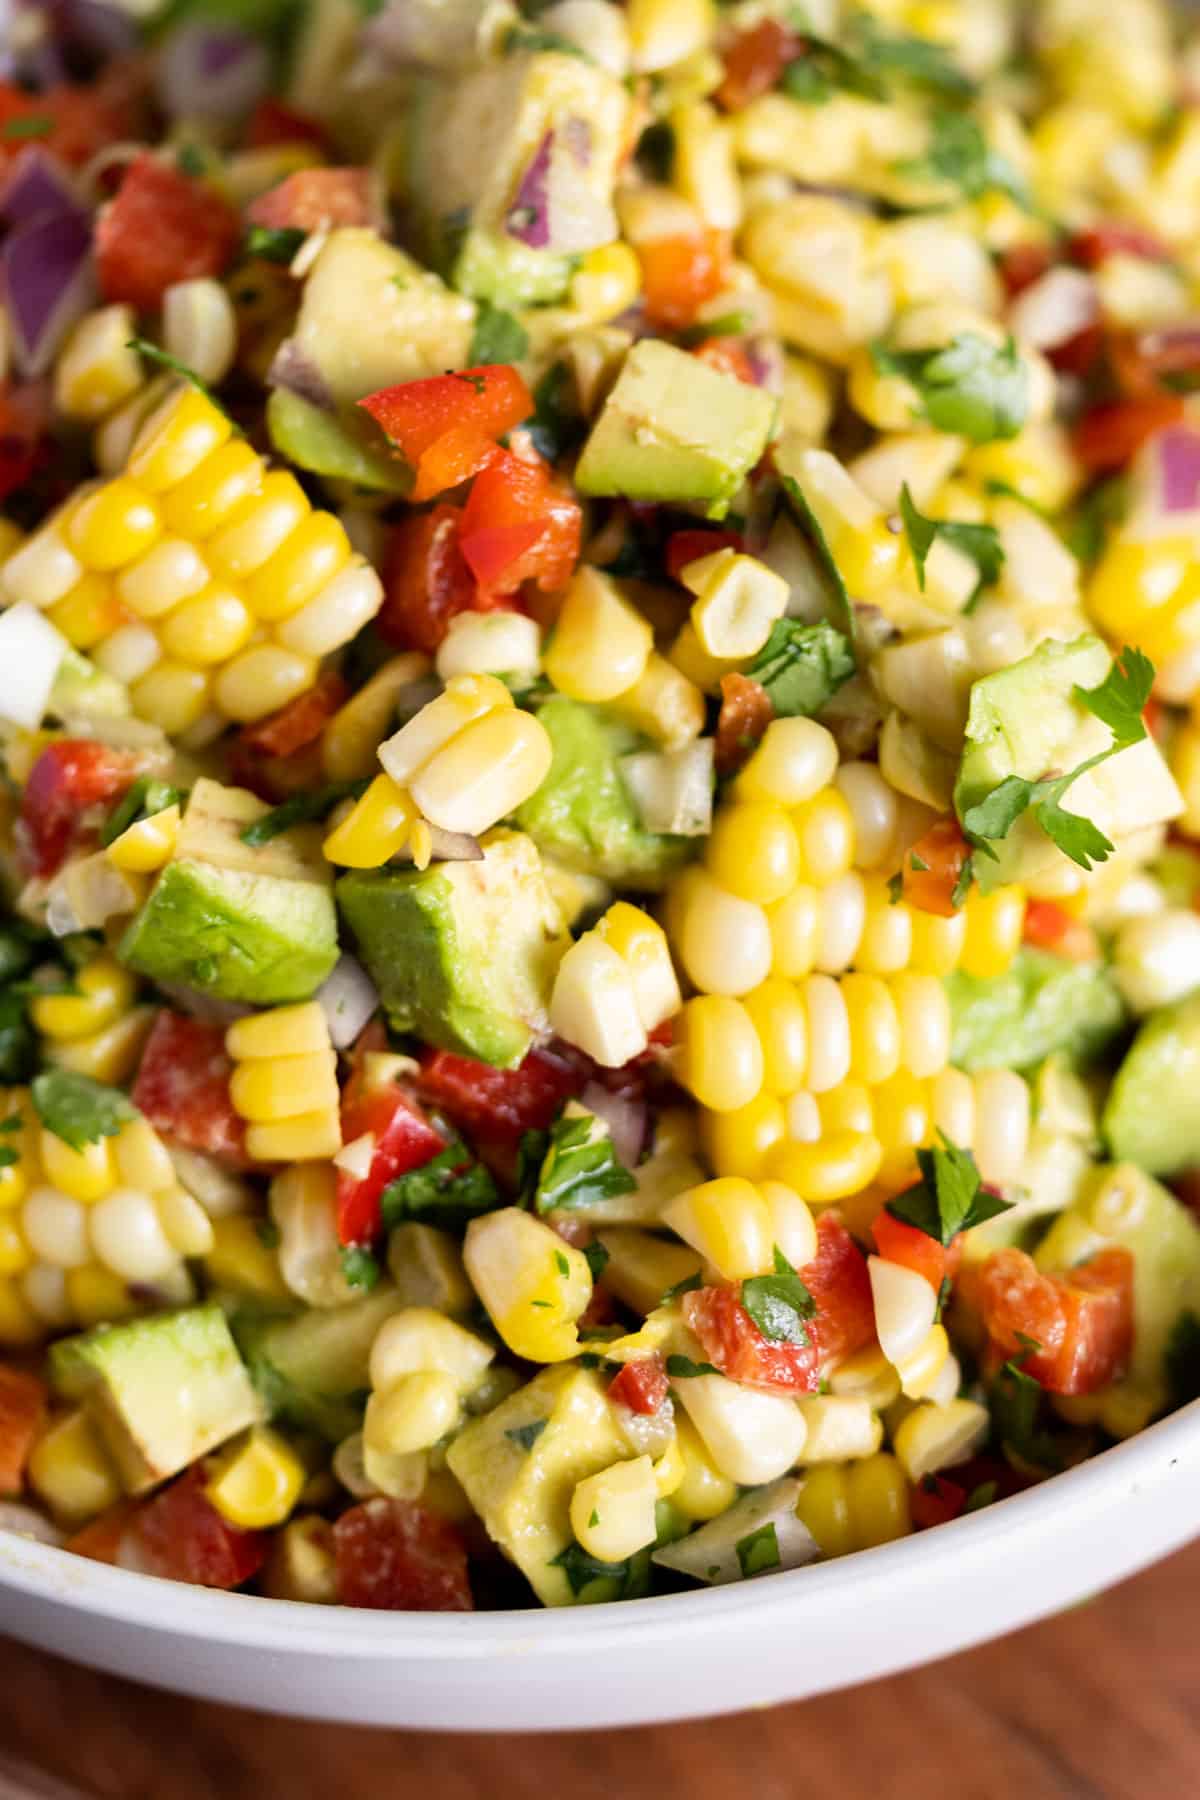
(1040, 1006)
(253, 924)
(673, 429)
(1152, 1117)
(161, 1391)
(583, 815)
(520, 1464)
(463, 953)
(312, 1370)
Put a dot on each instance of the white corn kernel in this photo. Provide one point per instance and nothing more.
(905, 1305)
(612, 1513)
(128, 1237)
(200, 327)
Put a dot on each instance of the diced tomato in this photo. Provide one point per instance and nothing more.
(520, 525)
(1109, 436)
(24, 420)
(180, 1534)
(70, 782)
(1079, 354)
(272, 123)
(300, 722)
(83, 120)
(395, 1556)
(500, 1104)
(182, 1086)
(936, 1500)
(746, 711)
(404, 1140)
(1081, 1320)
(642, 1385)
(902, 1243)
(754, 61)
(728, 356)
(475, 406)
(101, 1538)
(1097, 243)
(931, 869)
(22, 1409)
(734, 1344)
(1023, 264)
(426, 581)
(680, 273)
(1050, 926)
(315, 200)
(684, 547)
(160, 227)
(838, 1281)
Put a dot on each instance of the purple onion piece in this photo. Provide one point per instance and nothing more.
(1178, 454)
(37, 183)
(766, 363)
(295, 371)
(628, 1120)
(48, 283)
(577, 136)
(528, 218)
(210, 72)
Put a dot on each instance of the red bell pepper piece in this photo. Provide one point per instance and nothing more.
(754, 61)
(1051, 927)
(70, 785)
(519, 525)
(23, 1400)
(80, 120)
(899, 1242)
(404, 1140)
(746, 711)
(936, 1500)
(272, 123)
(182, 1087)
(427, 582)
(680, 273)
(498, 1104)
(642, 1385)
(300, 722)
(162, 226)
(1109, 436)
(932, 867)
(446, 426)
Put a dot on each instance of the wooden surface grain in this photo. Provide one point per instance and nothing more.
(1102, 1703)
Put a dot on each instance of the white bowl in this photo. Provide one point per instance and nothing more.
(777, 1638)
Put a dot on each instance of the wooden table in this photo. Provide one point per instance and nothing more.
(1102, 1703)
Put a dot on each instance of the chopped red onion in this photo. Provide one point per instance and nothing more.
(37, 183)
(766, 362)
(577, 136)
(1178, 454)
(212, 72)
(348, 998)
(628, 1120)
(295, 371)
(528, 217)
(48, 283)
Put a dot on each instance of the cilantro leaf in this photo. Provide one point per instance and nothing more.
(681, 1368)
(300, 809)
(1121, 697)
(1182, 1359)
(779, 1303)
(274, 245)
(1077, 837)
(949, 1198)
(140, 801)
(498, 336)
(596, 1257)
(532, 40)
(1015, 1401)
(580, 1167)
(980, 542)
(526, 1436)
(449, 1186)
(843, 605)
(154, 353)
(555, 425)
(688, 1285)
(758, 1551)
(631, 1577)
(359, 1267)
(802, 667)
(970, 388)
(77, 1109)
(960, 155)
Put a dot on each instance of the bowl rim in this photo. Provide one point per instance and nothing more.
(1093, 1489)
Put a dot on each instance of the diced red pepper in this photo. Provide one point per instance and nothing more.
(684, 547)
(935, 1500)
(315, 200)
(68, 785)
(498, 1104)
(272, 123)
(427, 582)
(1050, 926)
(1097, 243)
(82, 120)
(1081, 1320)
(746, 711)
(182, 1086)
(932, 867)
(838, 1281)
(1023, 264)
(520, 525)
(680, 273)
(404, 1140)
(300, 722)
(457, 456)
(754, 61)
(180, 1534)
(160, 227)
(22, 1410)
(728, 356)
(642, 1385)
(396, 1556)
(1109, 436)
(1080, 354)
(474, 407)
(899, 1242)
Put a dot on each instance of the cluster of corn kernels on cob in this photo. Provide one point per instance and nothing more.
(199, 577)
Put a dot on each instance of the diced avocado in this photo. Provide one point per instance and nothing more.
(583, 815)
(162, 1390)
(1177, 870)
(673, 429)
(1125, 1206)
(325, 444)
(463, 953)
(241, 923)
(1025, 720)
(81, 690)
(1152, 1116)
(312, 1370)
(1041, 1005)
(489, 146)
(521, 1462)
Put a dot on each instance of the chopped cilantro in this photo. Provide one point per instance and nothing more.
(526, 1436)
(971, 387)
(843, 605)
(730, 324)
(595, 1518)
(274, 245)
(581, 1570)
(154, 353)
(758, 1551)
(949, 1198)
(580, 1167)
(962, 885)
(77, 1109)
(980, 542)
(300, 809)
(596, 1258)
(267, 1233)
(681, 1368)
(561, 1263)
(360, 1268)
(141, 801)
(191, 160)
(895, 888)
(1015, 1400)
(498, 336)
(555, 426)
(801, 667)
(960, 155)
(13, 1122)
(779, 1303)
(449, 1186)
(687, 1286)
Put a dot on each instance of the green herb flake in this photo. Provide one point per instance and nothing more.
(682, 1368)
(629, 1578)
(267, 1233)
(14, 1122)
(556, 425)
(79, 1110)
(300, 809)
(895, 888)
(780, 1303)
(949, 1198)
(759, 1551)
(142, 800)
(526, 1436)
(191, 160)
(970, 388)
(274, 245)
(498, 336)
(580, 1167)
(980, 542)
(451, 1186)
(561, 1263)
(1015, 1401)
(596, 1258)
(594, 1519)
(801, 667)
(529, 41)
(154, 353)
(31, 125)
(360, 1268)
(960, 156)
(843, 605)
(981, 1496)
(688, 1285)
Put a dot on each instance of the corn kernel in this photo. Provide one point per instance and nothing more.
(841, 1164)
(279, 1031)
(601, 643)
(306, 563)
(594, 1003)
(260, 527)
(418, 1338)
(170, 572)
(260, 680)
(114, 524)
(172, 696)
(612, 1513)
(256, 1482)
(70, 1471)
(176, 438)
(239, 1260)
(738, 600)
(704, 1492)
(729, 1223)
(825, 827)
(719, 1053)
(485, 772)
(641, 944)
(724, 942)
(413, 1413)
(875, 1033)
(127, 1236)
(796, 759)
(795, 927)
(147, 845)
(375, 829)
(110, 1056)
(88, 613)
(105, 991)
(606, 283)
(84, 1174)
(534, 1286)
(934, 1437)
(96, 370)
(351, 737)
(995, 923)
(208, 629)
(306, 1137)
(15, 1254)
(98, 1297)
(777, 1013)
(206, 499)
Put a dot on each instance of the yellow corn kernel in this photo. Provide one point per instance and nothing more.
(209, 497)
(302, 1564)
(612, 1512)
(256, 1482)
(719, 1055)
(824, 1507)
(869, 1376)
(879, 1503)
(20, 1326)
(740, 1142)
(842, 1163)
(279, 1031)
(729, 1222)
(260, 680)
(606, 283)
(795, 928)
(665, 32)
(70, 1471)
(663, 704)
(143, 1160)
(335, 615)
(995, 923)
(129, 652)
(98, 1297)
(172, 696)
(688, 656)
(89, 613)
(594, 1004)
(412, 1414)
(96, 370)
(754, 852)
(285, 1087)
(114, 524)
(426, 1267)
(937, 943)
(466, 699)
(110, 1056)
(11, 539)
(106, 990)
(846, 1108)
(933, 1437)
(825, 829)
(15, 1254)
(641, 943)
(641, 1267)
(177, 437)
(485, 772)
(724, 943)
(241, 1261)
(209, 629)
(796, 759)
(42, 570)
(306, 1137)
(534, 1286)
(777, 1013)
(355, 731)
(875, 1040)
(147, 845)
(83, 1174)
(703, 1492)
(307, 562)
(374, 830)
(919, 1371)
(902, 1118)
(738, 600)
(260, 527)
(601, 643)
(669, 1470)
(169, 573)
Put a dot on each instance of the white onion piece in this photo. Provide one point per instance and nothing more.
(296, 373)
(30, 651)
(673, 789)
(24, 1522)
(627, 1120)
(348, 998)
